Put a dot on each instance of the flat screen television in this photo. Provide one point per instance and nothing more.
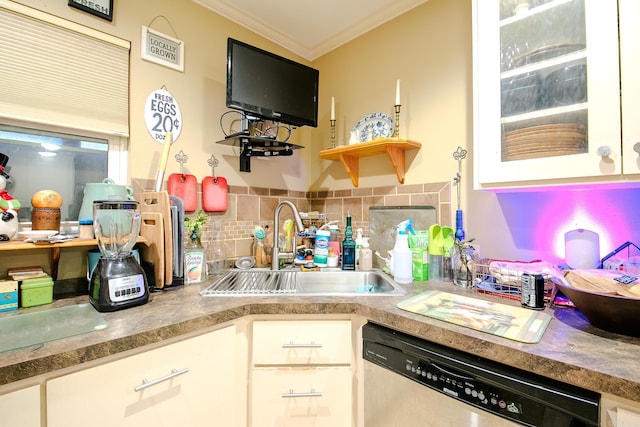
(269, 87)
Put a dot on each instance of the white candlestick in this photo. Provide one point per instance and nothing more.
(333, 109)
(398, 92)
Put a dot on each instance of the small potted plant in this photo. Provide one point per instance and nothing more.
(193, 227)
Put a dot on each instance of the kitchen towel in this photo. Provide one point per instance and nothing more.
(515, 323)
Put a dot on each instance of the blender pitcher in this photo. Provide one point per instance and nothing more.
(118, 281)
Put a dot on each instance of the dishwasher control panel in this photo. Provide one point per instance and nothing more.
(463, 387)
(522, 397)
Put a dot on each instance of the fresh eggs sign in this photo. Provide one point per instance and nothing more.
(162, 114)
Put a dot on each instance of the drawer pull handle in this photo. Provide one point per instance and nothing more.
(311, 393)
(294, 345)
(174, 373)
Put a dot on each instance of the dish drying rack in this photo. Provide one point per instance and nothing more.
(506, 282)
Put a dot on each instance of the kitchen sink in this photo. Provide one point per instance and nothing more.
(294, 282)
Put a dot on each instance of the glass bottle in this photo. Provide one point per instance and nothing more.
(194, 260)
(216, 250)
(464, 263)
(348, 247)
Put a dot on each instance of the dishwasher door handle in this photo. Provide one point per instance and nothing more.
(455, 374)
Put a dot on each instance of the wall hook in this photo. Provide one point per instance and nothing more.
(181, 158)
(213, 163)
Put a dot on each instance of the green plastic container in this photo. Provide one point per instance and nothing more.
(36, 291)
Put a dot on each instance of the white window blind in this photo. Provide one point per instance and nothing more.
(56, 72)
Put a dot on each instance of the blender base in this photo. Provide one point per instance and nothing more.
(118, 283)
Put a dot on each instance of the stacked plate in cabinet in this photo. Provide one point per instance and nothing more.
(544, 141)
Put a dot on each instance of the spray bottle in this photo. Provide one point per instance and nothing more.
(402, 262)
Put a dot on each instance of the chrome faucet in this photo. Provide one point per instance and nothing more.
(276, 255)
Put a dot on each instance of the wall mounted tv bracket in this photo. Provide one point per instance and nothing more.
(257, 146)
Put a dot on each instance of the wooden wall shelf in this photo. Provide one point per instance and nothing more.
(350, 155)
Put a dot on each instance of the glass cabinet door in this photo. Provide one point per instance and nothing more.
(546, 84)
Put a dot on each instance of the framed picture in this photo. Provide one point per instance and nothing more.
(162, 49)
(100, 8)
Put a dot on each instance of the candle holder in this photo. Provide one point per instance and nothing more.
(333, 133)
(396, 129)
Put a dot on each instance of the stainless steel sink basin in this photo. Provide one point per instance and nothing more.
(295, 282)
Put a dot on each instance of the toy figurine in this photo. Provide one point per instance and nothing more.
(8, 205)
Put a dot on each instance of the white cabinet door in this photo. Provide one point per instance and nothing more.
(616, 411)
(189, 383)
(546, 92)
(630, 89)
(300, 397)
(21, 408)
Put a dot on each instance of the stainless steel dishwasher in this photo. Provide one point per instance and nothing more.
(412, 382)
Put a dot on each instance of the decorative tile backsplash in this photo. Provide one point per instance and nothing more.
(252, 206)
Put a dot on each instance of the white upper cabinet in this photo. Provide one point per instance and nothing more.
(547, 92)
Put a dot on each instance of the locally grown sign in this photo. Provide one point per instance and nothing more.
(162, 49)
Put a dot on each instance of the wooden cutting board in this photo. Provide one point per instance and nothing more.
(214, 194)
(152, 229)
(185, 187)
(158, 202)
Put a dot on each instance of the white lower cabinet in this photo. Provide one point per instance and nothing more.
(618, 412)
(21, 408)
(302, 374)
(188, 383)
(301, 397)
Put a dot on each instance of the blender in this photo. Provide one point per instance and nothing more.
(118, 281)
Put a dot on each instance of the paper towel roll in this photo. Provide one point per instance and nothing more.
(582, 248)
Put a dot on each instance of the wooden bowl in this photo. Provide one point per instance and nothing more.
(612, 313)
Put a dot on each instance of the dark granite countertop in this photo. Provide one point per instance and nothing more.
(571, 350)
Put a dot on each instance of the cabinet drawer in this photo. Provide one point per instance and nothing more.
(301, 342)
(186, 383)
(300, 397)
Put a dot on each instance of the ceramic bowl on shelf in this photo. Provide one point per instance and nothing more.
(567, 85)
(546, 52)
(521, 94)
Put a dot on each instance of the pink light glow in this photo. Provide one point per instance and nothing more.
(538, 221)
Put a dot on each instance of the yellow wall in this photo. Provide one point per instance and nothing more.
(429, 50)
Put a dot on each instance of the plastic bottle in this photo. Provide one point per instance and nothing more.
(358, 244)
(348, 247)
(436, 261)
(321, 248)
(366, 256)
(402, 262)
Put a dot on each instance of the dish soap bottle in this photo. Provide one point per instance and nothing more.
(402, 262)
(366, 256)
(348, 247)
